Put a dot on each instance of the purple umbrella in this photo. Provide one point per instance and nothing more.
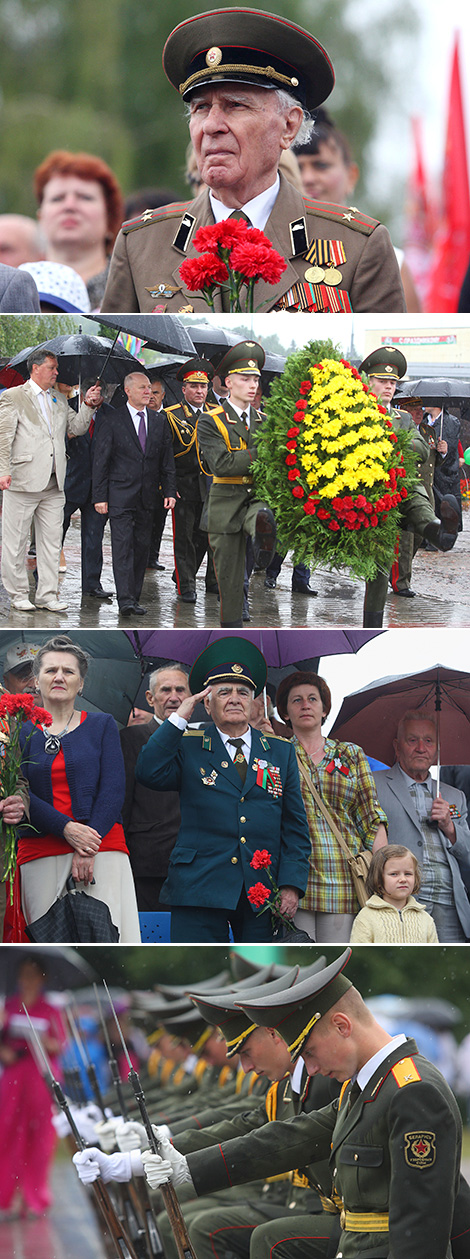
(279, 647)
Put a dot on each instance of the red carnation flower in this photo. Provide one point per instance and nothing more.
(323, 514)
(258, 894)
(202, 273)
(305, 387)
(301, 405)
(261, 859)
(383, 410)
(310, 507)
(334, 525)
(338, 504)
(374, 520)
(404, 493)
(225, 234)
(293, 474)
(298, 491)
(293, 432)
(291, 445)
(290, 459)
(41, 717)
(368, 508)
(361, 501)
(257, 262)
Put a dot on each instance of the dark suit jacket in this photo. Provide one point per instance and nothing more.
(122, 475)
(80, 452)
(151, 823)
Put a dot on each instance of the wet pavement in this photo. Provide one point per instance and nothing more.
(440, 581)
(68, 1231)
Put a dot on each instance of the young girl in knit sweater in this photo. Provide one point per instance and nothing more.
(392, 915)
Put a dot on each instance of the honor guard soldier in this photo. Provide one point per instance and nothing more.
(227, 448)
(238, 789)
(384, 368)
(190, 541)
(393, 1137)
(250, 80)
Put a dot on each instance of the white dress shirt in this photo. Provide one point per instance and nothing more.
(135, 417)
(181, 723)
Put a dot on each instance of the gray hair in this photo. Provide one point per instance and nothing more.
(130, 376)
(172, 666)
(37, 357)
(285, 102)
(416, 714)
(61, 642)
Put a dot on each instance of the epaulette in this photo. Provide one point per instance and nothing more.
(214, 411)
(280, 737)
(350, 215)
(188, 731)
(162, 213)
(405, 1072)
(175, 406)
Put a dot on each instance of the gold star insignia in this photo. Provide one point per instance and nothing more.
(348, 217)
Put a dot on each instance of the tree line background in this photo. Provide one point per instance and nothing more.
(89, 76)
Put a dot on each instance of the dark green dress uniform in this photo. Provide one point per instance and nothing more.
(395, 1159)
(190, 541)
(400, 573)
(224, 820)
(228, 450)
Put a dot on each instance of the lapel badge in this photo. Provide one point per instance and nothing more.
(209, 781)
(337, 763)
(163, 290)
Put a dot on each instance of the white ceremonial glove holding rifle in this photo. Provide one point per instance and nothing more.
(131, 1135)
(171, 1166)
(93, 1162)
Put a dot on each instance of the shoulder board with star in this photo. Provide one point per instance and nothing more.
(172, 211)
(349, 215)
(188, 731)
(180, 406)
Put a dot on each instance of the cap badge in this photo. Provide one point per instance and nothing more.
(213, 57)
(251, 362)
(237, 668)
(388, 367)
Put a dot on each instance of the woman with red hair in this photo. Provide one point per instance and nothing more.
(80, 213)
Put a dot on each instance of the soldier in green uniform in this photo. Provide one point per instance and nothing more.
(249, 77)
(384, 367)
(393, 1137)
(228, 449)
(190, 541)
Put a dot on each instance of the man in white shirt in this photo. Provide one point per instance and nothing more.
(34, 419)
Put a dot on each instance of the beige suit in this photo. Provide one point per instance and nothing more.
(146, 259)
(34, 456)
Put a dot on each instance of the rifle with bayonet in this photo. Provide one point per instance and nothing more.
(122, 1243)
(154, 1242)
(183, 1243)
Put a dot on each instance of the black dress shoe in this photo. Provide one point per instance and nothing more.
(405, 594)
(264, 541)
(188, 596)
(99, 593)
(160, 568)
(302, 589)
(443, 533)
(139, 609)
(127, 609)
(270, 583)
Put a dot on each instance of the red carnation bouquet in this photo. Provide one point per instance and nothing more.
(260, 896)
(233, 257)
(14, 711)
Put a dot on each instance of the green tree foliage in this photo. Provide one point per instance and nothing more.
(95, 82)
(19, 331)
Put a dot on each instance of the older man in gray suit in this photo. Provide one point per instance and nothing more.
(34, 419)
(432, 825)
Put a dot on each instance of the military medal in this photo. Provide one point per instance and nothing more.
(268, 776)
(210, 781)
(314, 275)
(164, 290)
(332, 276)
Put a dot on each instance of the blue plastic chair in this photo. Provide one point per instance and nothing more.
(155, 928)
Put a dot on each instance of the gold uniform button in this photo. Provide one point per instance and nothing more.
(242, 799)
(356, 1156)
(224, 764)
(243, 819)
(242, 840)
(234, 861)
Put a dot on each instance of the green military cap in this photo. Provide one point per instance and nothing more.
(248, 46)
(386, 362)
(246, 357)
(229, 659)
(220, 980)
(196, 371)
(295, 1012)
(223, 1009)
(190, 1026)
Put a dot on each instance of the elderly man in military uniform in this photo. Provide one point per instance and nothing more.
(227, 447)
(190, 541)
(249, 77)
(393, 1138)
(239, 790)
(384, 367)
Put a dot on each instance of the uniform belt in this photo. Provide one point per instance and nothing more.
(232, 480)
(364, 1221)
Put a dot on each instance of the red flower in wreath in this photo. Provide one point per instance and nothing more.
(298, 491)
(293, 474)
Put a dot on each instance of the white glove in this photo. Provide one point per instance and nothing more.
(93, 1162)
(85, 1118)
(105, 1130)
(131, 1135)
(172, 1166)
(61, 1124)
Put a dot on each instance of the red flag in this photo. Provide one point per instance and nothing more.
(420, 218)
(452, 243)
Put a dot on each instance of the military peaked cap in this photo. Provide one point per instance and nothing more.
(230, 659)
(386, 362)
(241, 45)
(197, 371)
(234, 1024)
(246, 357)
(294, 1013)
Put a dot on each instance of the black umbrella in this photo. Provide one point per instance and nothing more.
(65, 968)
(80, 355)
(114, 673)
(209, 337)
(435, 389)
(161, 332)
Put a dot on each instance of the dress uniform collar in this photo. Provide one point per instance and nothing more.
(257, 210)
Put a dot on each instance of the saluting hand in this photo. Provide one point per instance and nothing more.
(188, 705)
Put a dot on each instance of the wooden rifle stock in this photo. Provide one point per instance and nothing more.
(183, 1243)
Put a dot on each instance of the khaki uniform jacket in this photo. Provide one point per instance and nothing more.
(27, 449)
(395, 1159)
(230, 459)
(144, 273)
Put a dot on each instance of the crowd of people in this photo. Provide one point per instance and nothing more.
(258, 818)
(133, 460)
